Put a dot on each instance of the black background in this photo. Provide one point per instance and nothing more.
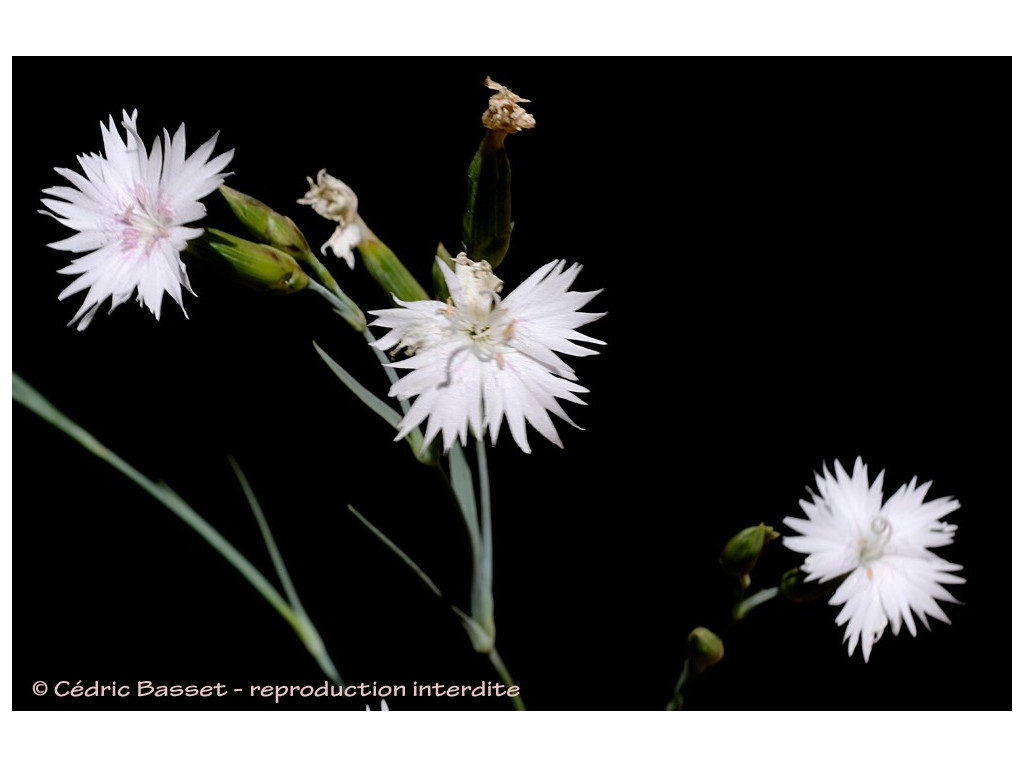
(799, 260)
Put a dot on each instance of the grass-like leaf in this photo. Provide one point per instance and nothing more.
(24, 393)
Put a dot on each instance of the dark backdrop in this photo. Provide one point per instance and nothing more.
(799, 260)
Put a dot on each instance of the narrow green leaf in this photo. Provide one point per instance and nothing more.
(28, 396)
(374, 403)
(378, 406)
(482, 641)
(268, 537)
(398, 551)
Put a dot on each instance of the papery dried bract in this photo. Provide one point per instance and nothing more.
(336, 201)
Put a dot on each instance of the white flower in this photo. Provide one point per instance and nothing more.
(383, 707)
(335, 200)
(129, 210)
(479, 358)
(883, 547)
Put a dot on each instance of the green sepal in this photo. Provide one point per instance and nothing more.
(704, 648)
(264, 223)
(740, 554)
(387, 269)
(487, 221)
(256, 265)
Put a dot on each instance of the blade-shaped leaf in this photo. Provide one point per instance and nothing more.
(24, 393)
(398, 551)
(370, 400)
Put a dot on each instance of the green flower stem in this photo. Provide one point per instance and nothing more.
(676, 703)
(460, 483)
(342, 304)
(323, 274)
(28, 396)
(483, 590)
(744, 607)
(739, 611)
(506, 678)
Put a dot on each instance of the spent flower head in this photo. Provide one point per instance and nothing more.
(503, 111)
(129, 210)
(334, 200)
(479, 358)
(884, 549)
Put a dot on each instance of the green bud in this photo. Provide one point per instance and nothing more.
(705, 648)
(386, 268)
(740, 555)
(798, 589)
(259, 266)
(264, 223)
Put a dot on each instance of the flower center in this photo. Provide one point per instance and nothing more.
(488, 334)
(873, 546)
(143, 224)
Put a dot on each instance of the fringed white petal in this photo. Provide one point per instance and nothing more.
(479, 360)
(883, 547)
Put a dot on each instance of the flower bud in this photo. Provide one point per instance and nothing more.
(264, 223)
(740, 555)
(705, 648)
(796, 588)
(259, 266)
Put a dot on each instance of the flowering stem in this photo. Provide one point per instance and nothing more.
(306, 256)
(342, 304)
(460, 483)
(676, 702)
(506, 678)
(744, 607)
(483, 603)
